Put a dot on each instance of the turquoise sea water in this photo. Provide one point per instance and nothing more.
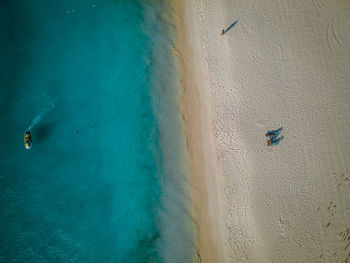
(105, 180)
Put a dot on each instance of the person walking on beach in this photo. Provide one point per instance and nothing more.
(223, 32)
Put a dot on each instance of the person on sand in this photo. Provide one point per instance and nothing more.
(273, 141)
(274, 133)
(270, 143)
(231, 26)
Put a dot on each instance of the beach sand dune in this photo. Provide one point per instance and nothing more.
(284, 64)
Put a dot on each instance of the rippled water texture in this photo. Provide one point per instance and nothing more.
(105, 178)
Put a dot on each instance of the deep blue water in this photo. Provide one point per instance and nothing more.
(105, 180)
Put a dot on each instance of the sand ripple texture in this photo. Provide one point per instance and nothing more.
(285, 64)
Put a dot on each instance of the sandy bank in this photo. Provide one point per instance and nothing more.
(195, 108)
(283, 64)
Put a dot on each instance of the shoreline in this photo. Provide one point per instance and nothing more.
(284, 66)
(174, 218)
(194, 104)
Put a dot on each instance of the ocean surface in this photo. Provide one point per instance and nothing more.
(105, 180)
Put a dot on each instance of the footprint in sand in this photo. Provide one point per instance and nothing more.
(341, 29)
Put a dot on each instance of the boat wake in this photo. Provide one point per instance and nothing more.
(41, 115)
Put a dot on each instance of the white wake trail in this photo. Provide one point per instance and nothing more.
(39, 117)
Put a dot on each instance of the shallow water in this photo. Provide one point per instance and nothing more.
(105, 180)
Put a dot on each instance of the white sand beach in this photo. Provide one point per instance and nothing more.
(284, 64)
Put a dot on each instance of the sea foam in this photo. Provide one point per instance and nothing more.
(176, 223)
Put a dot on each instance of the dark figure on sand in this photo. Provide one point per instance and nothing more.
(273, 139)
(232, 25)
(273, 133)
